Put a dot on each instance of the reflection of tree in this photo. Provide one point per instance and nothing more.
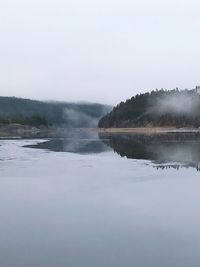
(80, 141)
(177, 149)
(72, 145)
(177, 166)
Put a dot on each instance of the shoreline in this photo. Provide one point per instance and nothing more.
(149, 130)
(17, 131)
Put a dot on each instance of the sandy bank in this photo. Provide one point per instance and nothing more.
(148, 130)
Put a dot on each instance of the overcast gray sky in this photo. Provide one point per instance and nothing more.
(100, 51)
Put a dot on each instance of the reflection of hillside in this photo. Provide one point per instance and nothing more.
(80, 146)
(179, 148)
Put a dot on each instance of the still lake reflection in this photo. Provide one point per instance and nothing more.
(173, 150)
(165, 150)
(91, 207)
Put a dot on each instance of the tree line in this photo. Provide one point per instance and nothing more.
(32, 112)
(156, 108)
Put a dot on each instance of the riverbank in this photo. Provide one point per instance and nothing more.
(14, 130)
(149, 130)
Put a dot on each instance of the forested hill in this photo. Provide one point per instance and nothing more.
(26, 111)
(158, 108)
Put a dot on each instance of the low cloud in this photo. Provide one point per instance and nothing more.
(176, 104)
(76, 119)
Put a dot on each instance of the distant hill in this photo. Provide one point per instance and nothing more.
(26, 111)
(157, 108)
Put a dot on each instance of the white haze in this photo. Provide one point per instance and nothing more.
(100, 51)
(181, 104)
(77, 119)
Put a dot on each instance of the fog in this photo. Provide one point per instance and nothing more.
(79, 119)
(99, 51)
(181, 104)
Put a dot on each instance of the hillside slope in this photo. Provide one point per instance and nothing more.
(14, 110)
(158, 108)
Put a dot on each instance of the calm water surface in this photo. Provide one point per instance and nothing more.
(108, 201)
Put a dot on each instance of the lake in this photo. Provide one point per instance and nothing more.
(111, 200)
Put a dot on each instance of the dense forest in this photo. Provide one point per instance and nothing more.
(157, 108)
(33, 120)
(36, 113)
